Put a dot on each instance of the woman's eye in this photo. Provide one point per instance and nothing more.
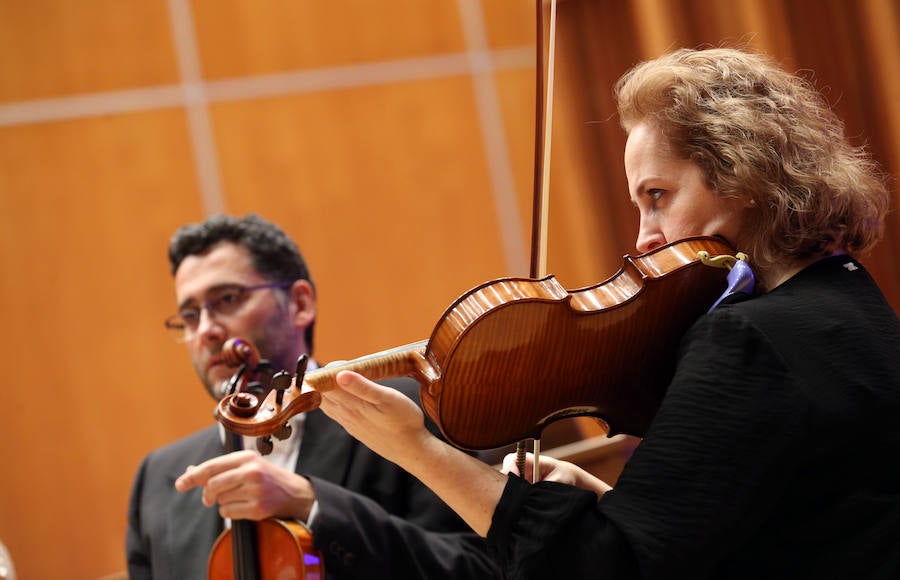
(655, 194)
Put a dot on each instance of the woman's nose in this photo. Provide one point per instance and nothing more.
(649, 238)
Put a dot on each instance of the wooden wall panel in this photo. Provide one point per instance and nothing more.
(238, 38)
(90, 373)
(507, 24)
(59, 47)
(383, 190)
(515, 90)
(376, 134)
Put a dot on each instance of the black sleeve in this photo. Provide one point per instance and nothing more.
(361, 540)
(384, 523)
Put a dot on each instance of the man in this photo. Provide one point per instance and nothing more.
(243, 277)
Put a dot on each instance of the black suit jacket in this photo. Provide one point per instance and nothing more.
(374, 520)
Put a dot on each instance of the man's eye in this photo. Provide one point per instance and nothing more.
(229, 298)
(655, 194)
(190, 316)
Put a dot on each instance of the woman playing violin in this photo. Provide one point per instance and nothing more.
(770, 455)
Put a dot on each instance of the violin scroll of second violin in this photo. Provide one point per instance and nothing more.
(237, 352)
(248, 414)
(515, 354)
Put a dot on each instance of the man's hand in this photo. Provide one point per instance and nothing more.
(246, 486)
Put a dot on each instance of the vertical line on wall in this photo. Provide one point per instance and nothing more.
(881, 29)
(494, 137)
(195, 101)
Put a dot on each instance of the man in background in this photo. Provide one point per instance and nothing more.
(243, 277)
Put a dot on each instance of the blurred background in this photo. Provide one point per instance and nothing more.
(394, 141)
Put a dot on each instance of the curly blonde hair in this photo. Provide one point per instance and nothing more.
(765, 136)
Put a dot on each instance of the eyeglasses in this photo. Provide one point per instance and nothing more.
(223, 302)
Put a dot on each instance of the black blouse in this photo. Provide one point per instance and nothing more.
(772, 455)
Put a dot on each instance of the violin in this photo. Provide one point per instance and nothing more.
(512, 355)
(271, 548)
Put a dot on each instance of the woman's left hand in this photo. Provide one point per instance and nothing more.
(382, 418)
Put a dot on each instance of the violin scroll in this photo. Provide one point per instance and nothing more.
(237, 352)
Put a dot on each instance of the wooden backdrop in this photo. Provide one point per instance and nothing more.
(392, 140)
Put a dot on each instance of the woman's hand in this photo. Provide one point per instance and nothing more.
(393, 426)
(382, 418)
(551, 469)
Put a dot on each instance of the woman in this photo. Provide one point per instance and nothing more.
(770, 455)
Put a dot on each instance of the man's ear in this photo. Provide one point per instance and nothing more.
(303, 299)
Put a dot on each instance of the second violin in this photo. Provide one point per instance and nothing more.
(272, 548)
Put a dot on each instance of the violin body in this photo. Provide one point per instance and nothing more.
(284, 550)
(515, 354)
(519, 354)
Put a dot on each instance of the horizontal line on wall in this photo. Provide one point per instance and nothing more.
(304, 81)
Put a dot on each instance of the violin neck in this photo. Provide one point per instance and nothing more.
(403, 361)
(245, 552)
(244, 548)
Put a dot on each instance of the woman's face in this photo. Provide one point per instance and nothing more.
(672, 195)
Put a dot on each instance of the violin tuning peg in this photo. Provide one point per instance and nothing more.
(256, 388)
(264, 445)
(265, 372)
(302, 362)
(280, 383)
(233, 384)
(284, 432)
(281, 380)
